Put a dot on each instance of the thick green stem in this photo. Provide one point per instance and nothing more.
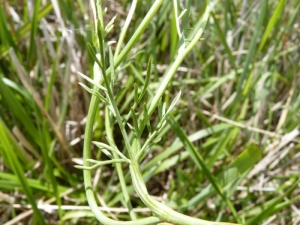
(160, 210)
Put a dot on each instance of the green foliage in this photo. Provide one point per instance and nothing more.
(193, 102)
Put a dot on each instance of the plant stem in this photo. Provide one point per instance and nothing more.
(109, 132)
(160, 210)
(125, 27)
(89, 131)
(172, 70)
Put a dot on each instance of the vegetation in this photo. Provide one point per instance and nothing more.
(158, 112)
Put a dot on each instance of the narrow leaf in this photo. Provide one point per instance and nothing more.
(135, 122)
(147, 81)
(146, 120)
(93, 55)
(272, 22)
(200, 162)
(92, 81)
(18, 171)
(135, 91)
(110, 25)
(241, 165)
(93, 92)
(112, 69)
(175, 100)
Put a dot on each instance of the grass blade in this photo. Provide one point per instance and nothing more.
(200, 163)
(277, 13)
(18, 170)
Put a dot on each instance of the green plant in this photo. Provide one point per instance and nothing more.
(134, 147)
(238, 85)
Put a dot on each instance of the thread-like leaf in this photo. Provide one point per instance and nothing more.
(175, 100)
(147, 80)
(91, 81)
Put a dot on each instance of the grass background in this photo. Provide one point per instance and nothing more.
(239, 86)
